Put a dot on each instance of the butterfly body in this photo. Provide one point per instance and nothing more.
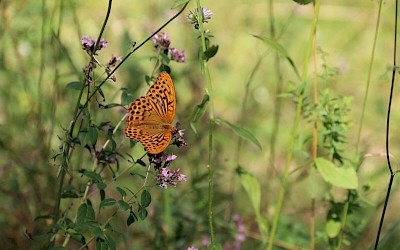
(151, 116)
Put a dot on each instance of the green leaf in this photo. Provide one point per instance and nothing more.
(112, 105)
(131, 218)
(93, 135)
(199, 111)
(110, 242)
(344, 177)
(332, 228)
(121, 191)
(126, 98)
(122, 205)
(241, 132)
(253, 190)
(275, 46)
(303, 2)
(210, 52)
(92, 175)
(108, 202)
(97, 232)
(74, 85)
(142, 211)
(145, 198)
(179, 3)
(101, 244)
(85, 213)
(101, 185)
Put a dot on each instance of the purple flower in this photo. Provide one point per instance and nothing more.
(176, 55)
(161, 40)
(113, 61)
(88, 43)
(168, 177)
(178, 135)
(102, 44)
(192, 248)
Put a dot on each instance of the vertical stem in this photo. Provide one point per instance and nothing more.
(294, 132)
(209, 91)
(314, 145)
(368, 81)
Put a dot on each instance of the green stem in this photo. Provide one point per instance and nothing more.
(371, 61)
(209, 91)
(294, 131)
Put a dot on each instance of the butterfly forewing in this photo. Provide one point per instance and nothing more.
(151, 116)
(161, 97)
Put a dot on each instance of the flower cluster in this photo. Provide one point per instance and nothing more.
(88, 43)
(240, 231)
(193, 17)
(178, 136)
(165, 176)
(162, 42)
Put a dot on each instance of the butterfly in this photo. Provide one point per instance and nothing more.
(150, 116)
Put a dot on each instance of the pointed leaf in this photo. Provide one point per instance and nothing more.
(275, 46)
(74, 86)
(344, 177)
(210, 52)
(241, 132)
(108, 202)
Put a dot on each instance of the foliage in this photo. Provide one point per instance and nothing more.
(277, 148)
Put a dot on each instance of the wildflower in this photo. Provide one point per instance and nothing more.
(240, 230)
(176, 55)
(113, 61)
(192, 248)
(161, 41)
(88, 43)
(192, 16)
(178, 135)
(167, 177)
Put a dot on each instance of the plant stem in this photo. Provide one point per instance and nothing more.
(294, 131)
(361, 122)
(211, 123)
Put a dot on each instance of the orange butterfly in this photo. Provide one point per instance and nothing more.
(151, 116)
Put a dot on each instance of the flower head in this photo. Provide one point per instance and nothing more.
(161, 41)
(193, 17)
(178, 135)
(88, 43)
(177, 55)
(168, 177)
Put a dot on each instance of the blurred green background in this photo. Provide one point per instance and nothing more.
(40, 52)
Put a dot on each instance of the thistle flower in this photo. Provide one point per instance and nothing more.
(192, 16)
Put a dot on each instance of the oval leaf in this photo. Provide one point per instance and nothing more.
(210, 52)
(332, 228)
(344, 177)
(145, 198)
(108, 202)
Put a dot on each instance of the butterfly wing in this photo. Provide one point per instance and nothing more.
(153, 143)
(161, 97)
(149, 114)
